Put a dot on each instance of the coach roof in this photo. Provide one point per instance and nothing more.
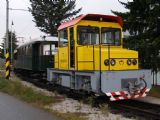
(94, 17)
(40, 40)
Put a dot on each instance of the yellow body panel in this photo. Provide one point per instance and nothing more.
(62, 58)
(89, 57)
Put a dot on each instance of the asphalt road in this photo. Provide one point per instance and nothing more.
(1, 62)
(13, 109)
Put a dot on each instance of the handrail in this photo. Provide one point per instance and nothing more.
(109, 55)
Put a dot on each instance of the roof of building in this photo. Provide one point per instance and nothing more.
(94, 17)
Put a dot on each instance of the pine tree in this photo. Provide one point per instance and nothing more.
(2, 50)
(142, 21)
(48, 14)
(14, 43)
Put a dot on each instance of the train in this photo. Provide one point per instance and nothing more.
(90, 58)
(35, 56)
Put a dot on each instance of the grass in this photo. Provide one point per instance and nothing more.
(155, 91)
(24, 93)
(27, 94)
(2, 67)
(71, 116)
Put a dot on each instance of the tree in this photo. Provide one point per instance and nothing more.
(14, 43)
(2, 50)
(48, 14)
(142, 21)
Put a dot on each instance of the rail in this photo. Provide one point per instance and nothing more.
(138, 108)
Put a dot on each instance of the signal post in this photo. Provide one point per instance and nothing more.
(7, 56)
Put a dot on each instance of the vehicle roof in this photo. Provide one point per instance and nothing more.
(94, 17)
(40, 40)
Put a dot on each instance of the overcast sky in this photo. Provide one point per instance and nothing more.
(25, 27)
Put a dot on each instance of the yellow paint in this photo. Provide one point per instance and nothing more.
(92, 58)
(7, 55)
(7, 73)
(56, 61)
(92, 62)
(7, 63)
(63, 58)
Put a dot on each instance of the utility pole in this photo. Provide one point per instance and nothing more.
(11, 44)
(7, 26)
(7, 64)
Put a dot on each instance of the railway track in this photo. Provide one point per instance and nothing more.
(50, 87)
(137, 108)
(128, 108)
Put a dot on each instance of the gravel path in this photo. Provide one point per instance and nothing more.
(74, 106)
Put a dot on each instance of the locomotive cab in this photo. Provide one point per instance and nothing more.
(93, 59)
(94, 45)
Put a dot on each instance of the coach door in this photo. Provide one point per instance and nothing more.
(72, 55)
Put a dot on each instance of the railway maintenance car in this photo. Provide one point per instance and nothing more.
(94, 60)
(36, 56)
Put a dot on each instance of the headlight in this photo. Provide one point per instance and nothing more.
(134, 61)
(106, 62)
(113, 62)
(129, 62)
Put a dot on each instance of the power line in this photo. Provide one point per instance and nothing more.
(19, 9)
(24, 28)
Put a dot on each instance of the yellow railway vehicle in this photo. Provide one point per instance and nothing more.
(91, 58)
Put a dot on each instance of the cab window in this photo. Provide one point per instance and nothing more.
(111, 36)
(88, 35)
(63, 38)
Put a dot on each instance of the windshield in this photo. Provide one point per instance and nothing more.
(88, 35)
(111, 36)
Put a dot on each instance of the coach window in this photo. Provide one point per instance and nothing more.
(15, 55)
(18, 51)
(26, 49)
(46, 49)
(63, 38)
(22, 51)
(53, 49)
(29, 50)
(88, 35)
(111, 36)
